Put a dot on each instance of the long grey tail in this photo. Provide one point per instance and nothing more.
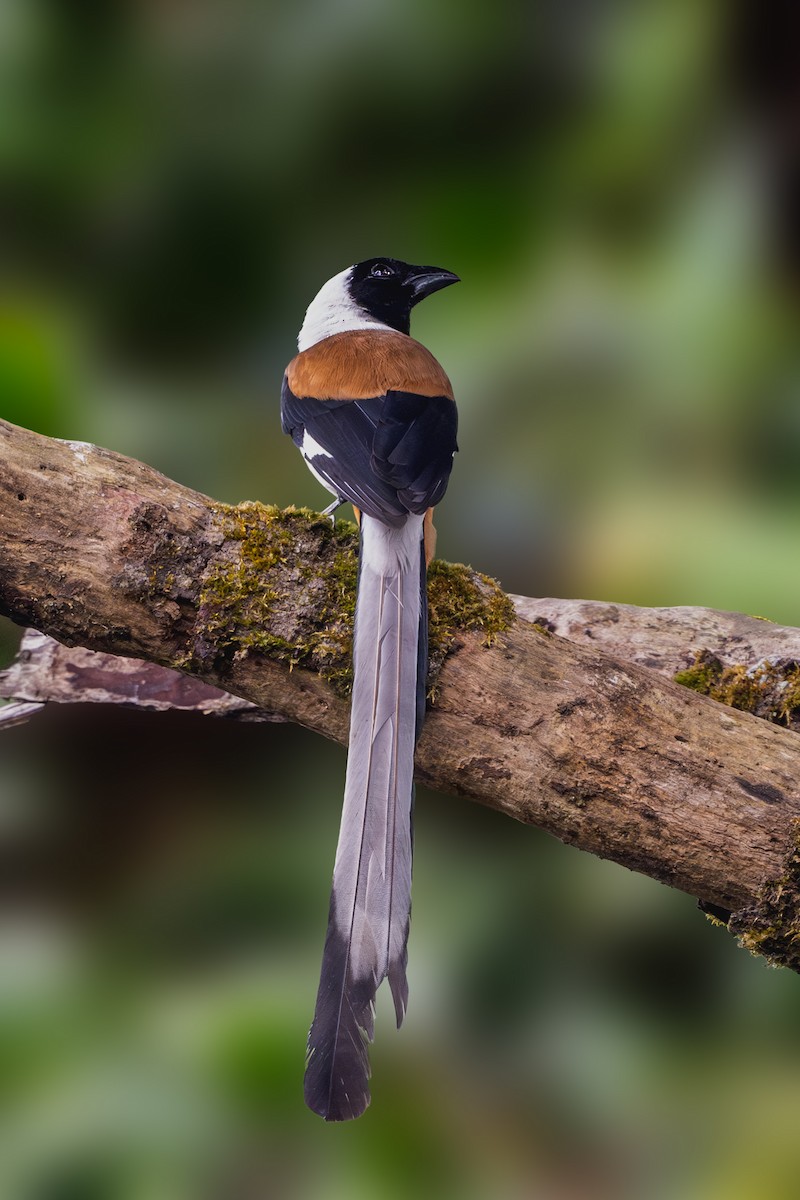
(371, 897)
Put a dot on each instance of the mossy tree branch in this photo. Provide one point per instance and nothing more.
(103, 552)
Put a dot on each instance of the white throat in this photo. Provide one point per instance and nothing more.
(333, 310)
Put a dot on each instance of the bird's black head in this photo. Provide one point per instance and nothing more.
(388, 289)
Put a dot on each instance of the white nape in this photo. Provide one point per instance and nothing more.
(389, 551)
(333, 310)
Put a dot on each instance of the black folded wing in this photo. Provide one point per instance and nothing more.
(389, 455)
(413, 447)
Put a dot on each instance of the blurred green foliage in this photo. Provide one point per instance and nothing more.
(176, 181)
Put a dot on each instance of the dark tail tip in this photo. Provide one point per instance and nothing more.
(335, 1101)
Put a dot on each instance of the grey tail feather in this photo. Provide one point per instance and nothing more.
(370, 904)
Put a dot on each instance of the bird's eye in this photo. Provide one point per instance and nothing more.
(382, 271)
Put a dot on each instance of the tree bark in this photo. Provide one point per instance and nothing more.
(664, 639)
(45, 672)
(103, 552)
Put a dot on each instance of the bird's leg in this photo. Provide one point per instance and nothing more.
(330, 511)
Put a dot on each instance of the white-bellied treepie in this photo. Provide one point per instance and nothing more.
(373, 415)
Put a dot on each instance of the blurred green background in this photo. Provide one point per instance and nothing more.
(617, 185)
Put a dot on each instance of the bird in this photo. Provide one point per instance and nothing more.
(373, 415)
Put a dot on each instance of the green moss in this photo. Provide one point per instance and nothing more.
(542, 629)
(461, 600)
(770, 691)
(250, 601)
(771, 927)
(703, 674)
(244, 599)
(714, 917)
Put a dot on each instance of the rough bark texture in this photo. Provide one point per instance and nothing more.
(18, 713)
(103, 552)
(669, 640)
(664, 639)
(45, 672)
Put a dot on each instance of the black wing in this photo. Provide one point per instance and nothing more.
(389, 455)
(414, 445)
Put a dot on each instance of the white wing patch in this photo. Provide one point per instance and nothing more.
(315, 456)
(311, 448)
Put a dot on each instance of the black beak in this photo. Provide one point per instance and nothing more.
(424, 281)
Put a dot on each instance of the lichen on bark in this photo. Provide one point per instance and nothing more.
(771, 927)
(249, 600)
(768, 690)
(283, 585)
